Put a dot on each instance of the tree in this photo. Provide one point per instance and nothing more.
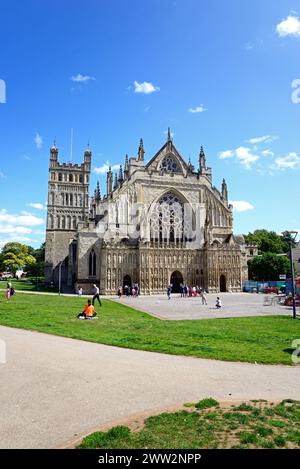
(268, 266)
(37, 269)
(268, 241)
(16, 256)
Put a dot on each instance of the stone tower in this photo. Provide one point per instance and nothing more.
(68, 204)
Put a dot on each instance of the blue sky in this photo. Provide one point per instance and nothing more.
(118, 70)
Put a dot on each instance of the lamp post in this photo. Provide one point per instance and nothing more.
(291, 239)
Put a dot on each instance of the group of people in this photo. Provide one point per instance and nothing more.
(10, 291)
(89, 311)
(186, 291)
(134, 290)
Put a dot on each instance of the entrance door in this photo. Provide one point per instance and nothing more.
(223, 283)
(175, 281)
(127, 284)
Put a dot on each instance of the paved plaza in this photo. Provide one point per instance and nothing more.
(54, 388)
(233, 305)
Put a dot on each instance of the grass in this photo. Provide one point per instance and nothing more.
(28, 284)
(200, 427)
(250, 339)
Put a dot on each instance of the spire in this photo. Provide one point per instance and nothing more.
(169, 135)
(202, 160)
(224, 190)
(141, 151)
(109, 181)
(116, 182)
(120, 180)
(97, 192)
(126, 168)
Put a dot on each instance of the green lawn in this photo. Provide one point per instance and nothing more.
(257, 424)
(253, 339)
(27, 285)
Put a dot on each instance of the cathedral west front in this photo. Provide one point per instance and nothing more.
(160, 222)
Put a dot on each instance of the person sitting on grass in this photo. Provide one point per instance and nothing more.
(88, 312)
(218, 303)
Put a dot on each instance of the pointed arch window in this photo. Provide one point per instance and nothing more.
(92, 263)
(170, 165)
(167, 219)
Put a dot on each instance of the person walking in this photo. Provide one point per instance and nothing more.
(203, 295)
(169, 289)
(96, 295)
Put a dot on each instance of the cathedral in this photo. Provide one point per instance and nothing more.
(160, 222)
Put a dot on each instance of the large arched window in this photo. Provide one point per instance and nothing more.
(92, 263)
(170, 165)
(167, 219)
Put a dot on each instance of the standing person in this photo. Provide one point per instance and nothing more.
(218, 303)
(203, 295)
(119, 292)
(181, 290)
(96, 295)
(7, 294)
(169, 292)
(80, 291)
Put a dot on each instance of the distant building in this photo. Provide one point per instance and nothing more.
(160, 223)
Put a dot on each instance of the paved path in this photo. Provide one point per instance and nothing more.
(52, 388)
(233, 305)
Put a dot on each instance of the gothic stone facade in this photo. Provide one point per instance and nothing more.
(160, 223)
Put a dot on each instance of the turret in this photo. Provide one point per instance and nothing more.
(97, 192)
(120, 179)
(87, 158)
(141, 151)
(53, 155)
(202, 160)
(126, 168)
(224, 191)
(116, 182)
(109, 181)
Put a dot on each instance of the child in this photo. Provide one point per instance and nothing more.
(7, 294)
(218, 303)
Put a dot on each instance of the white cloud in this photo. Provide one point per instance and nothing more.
(15, 238)
(36, 205)
(23, 219)
(38, 140)
(267, 153)
(243, 154)
(105, 167)
(263, 139)
(245, 157)
(195, 110)
(223, 155)
(10, 229)
(290, 161)
(289, 27)
(81, 78)
(145, 87)
(241, 205)
(2, 175)
(249, 46)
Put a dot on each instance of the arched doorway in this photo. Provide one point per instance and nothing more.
(223, 283)
(127, 284)
(175, 281)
